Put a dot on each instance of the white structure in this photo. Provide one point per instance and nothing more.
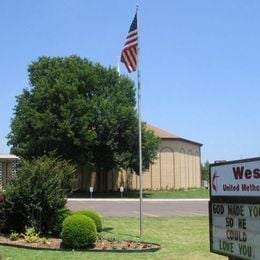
(7, 168)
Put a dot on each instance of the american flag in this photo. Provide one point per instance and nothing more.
(129, 52)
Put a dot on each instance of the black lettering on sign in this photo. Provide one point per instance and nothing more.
(218, 209)
(236, 235)
(226, 246)
(242, 223)
(236, 210)
(246, 250)
(229, 222)
(254, 211)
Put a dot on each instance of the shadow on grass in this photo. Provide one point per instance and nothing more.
(104, 195)
(106, 229)
(120, 234)
(110, 229)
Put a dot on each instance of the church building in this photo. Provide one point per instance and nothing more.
(178, 166)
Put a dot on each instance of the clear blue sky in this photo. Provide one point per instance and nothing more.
(200, 61)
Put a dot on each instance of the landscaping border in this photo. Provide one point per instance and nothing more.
(155, 247)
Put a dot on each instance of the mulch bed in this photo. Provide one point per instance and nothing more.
(100, 245)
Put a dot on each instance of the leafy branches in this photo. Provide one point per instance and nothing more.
(83, 112)
(37, 191)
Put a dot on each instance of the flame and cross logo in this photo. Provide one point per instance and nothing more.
(214, 182)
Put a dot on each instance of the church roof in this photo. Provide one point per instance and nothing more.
(166, 135)
(160, 132)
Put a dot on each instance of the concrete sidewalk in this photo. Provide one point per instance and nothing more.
(137, 199)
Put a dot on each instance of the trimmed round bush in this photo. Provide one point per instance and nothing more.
(93, 215)
(78, 231)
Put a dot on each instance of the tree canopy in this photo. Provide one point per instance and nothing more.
(83, 112)
(205, 171)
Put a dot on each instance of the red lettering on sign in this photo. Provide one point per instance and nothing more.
(256, 173)
(240, 173)
(248, 174)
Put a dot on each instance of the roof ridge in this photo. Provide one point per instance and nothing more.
(160, 132)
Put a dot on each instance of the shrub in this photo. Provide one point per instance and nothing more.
(93, 215)
(37, 192)
(78, 231)
(3, 211)
(57, 220)
(2, 198)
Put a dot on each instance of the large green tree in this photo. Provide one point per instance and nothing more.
(83, 112)
(205, 171)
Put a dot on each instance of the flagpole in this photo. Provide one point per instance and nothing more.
(139, 126)
(130, 56)
(118, 66)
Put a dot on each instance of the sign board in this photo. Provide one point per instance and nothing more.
(235, 229)
(241, 178)
(234, 208)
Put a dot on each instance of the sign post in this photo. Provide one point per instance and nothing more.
(234, 209)
(121, 190)
(91, 189)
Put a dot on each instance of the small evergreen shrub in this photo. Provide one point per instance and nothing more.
(57, 220)
(93, 215)
(78, 231)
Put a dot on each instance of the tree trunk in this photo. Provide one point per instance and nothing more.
(99, 179)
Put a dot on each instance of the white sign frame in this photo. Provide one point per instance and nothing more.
(236, 178)
(235, 184)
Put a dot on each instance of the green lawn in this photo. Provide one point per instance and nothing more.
(177, 194)
(180, 238)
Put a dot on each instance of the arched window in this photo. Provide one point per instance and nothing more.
(167, 172)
